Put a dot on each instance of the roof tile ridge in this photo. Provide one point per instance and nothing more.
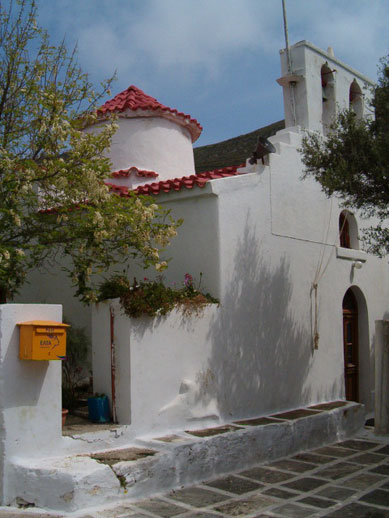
(139, 172)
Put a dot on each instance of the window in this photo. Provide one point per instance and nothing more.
(344, 231)
(348, 230)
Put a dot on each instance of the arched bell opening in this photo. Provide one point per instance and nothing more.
(328, 96)
(356, 99)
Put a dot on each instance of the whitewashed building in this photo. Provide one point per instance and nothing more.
(298, 295)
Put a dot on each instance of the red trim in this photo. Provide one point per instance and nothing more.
(176, 184)
(134, 99)
(125, 173)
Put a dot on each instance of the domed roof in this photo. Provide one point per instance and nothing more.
(133, 100)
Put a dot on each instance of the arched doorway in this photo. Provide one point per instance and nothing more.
(350, 346)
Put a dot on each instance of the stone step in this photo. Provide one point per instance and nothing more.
(150, 465)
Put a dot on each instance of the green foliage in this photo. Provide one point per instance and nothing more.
(73, 367)
(53, 200)
(353, 162)
(153, 298)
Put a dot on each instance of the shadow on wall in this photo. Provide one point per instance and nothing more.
(261, 355)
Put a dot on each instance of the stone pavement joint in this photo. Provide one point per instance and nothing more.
(349, 479)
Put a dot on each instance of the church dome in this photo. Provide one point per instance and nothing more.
(152, 138)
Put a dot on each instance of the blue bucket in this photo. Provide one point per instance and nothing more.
(98, 409)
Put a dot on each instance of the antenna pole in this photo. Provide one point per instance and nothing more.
(289, 63)
(286, 37)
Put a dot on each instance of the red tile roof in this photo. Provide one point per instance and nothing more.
(125, 173)
(134, 99)
(176, 184)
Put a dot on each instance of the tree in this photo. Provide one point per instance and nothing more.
(53, 200)
(352, 162)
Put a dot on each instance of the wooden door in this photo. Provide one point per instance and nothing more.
(350, 346)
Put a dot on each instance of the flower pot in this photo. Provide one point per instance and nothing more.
(98, 408)
(64, 414)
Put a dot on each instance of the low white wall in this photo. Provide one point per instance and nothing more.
(231, 362)
(162, 376)
(30, 393)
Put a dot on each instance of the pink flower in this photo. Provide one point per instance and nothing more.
(188, 280)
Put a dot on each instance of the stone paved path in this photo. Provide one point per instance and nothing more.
(349, 479)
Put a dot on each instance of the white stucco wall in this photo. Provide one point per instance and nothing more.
(30, 402)
(151, 143)
(283, 237)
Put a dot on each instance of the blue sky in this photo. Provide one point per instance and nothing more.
(216, 60)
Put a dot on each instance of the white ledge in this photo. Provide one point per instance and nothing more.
(351, 254)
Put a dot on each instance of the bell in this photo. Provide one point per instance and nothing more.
(264, 147)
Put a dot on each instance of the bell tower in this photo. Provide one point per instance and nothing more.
(316, 85)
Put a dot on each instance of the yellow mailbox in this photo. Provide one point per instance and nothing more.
(42, 340)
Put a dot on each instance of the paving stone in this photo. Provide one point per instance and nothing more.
(197, 496)
(336, 492)
(202, 514)
(245, 506)
(293, 511)
(339, 470)
(118, 510)
(233, 484)
(296, 414)
(268, 476)
(21, 514)
(121, 512)
(128, 454)
(356, 444)
(312, 457)
(368, 458)
(383, 469)
(292, 465)
(258, 421)
(377, 497)
(334, 451)
(210, 432)
(322, 503)
(171, 438)
(362, 481)
(355, 510)
(384, 450)
(329, 406)
(112, 513)
(304, 484)
(160, 508)
(279, 493)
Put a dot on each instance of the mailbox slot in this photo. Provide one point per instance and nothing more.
(42, 340)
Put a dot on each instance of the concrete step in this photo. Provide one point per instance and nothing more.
(150, 465)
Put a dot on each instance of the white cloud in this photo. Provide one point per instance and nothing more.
(202, 33)
(103, 49)
(202, 36)
(356, 30)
